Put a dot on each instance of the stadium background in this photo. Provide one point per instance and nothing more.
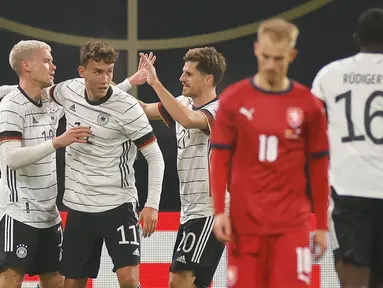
(169, 28)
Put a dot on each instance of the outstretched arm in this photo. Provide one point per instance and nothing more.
(181, 114)
(139, 77)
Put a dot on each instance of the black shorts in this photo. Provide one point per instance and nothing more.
(85, 234)
(32, 250)
(198, 250)
(359, 231)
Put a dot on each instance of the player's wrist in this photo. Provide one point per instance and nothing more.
(156, 84)
(129, 82)
(56, 142)
(152, 203)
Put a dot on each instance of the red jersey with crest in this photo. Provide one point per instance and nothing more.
(271, 136)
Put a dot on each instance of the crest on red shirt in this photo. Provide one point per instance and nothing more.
(294, 117)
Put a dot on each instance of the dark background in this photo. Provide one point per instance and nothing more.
(325, 35)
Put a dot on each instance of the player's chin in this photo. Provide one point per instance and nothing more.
(48, 82)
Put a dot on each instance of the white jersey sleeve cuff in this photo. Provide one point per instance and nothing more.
(156, 167)
(124, 85)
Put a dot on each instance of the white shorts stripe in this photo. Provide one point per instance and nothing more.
(203, 239)
(8, 235)
(331, 225)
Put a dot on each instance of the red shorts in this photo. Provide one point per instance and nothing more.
(270, 261)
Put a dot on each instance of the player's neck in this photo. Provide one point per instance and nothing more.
(276, 86)
(205, 97)
(31, 88)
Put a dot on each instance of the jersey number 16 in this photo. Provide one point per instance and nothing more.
(352, 136)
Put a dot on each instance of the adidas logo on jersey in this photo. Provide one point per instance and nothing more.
(181, 259)
(72, 107)
(136, 252)
(34, 120)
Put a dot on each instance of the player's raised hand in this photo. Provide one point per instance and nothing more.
(148, 219)
(222, 227)
(320, 243)
(152, 58)
(141, 75)
(151, 70)
(76, 134)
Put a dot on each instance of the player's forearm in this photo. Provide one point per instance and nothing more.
(16, 157)
(156, 167)
(179, 112)
(151, 110)
(125, 85)
(219, 176)
(319, 189)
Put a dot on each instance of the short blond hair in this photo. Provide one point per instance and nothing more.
(22, 50)
(280, 29)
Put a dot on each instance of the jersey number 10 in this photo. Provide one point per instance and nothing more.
(367, 117)
(268, 148)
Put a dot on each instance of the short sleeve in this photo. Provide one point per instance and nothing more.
(224, 130)
(136, 125)
(165, 116)
(317, 88)
(56, 93)
(210, 112)
(11, 121)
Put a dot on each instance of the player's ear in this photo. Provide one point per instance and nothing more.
(210, 79)
(26, 66)
(255, 48)
(81, 71)
(293, 55)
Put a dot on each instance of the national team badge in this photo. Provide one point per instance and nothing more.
(103, 119)
(21, 251)
(53, 118)
(294, 117)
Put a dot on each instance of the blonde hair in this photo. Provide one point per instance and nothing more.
(22, 50)
(280, 29)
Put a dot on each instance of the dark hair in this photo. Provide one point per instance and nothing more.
(369, 30)
(209, 61)
(97, 51)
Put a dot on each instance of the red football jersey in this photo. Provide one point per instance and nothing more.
(272, 136)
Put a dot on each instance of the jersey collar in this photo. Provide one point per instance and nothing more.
(100, 101)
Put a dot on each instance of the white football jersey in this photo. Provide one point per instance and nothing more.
(5, 89)
(193, 161)
(29, 194)
(352, 90)
(99, 176)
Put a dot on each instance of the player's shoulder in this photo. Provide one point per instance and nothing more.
(5, 89)
(237, 88)
(187, 101)
(120, 95)
(75, 85)
(305, 94)
(121, 102)
(335, 67)
(14, 98)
